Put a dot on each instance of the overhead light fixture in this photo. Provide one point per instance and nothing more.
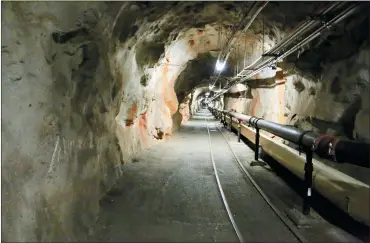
(220, 65)
(211, 86)
(207, 94)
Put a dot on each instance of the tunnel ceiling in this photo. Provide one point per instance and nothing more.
(90, 85)
(167, 20)
(163, 24)
(198, 72)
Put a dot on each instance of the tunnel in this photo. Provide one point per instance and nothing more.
(173, 121)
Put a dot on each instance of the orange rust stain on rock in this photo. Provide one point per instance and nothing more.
(131, 115)
(169, 94)
(185, 112)
(143, 128)
(256, 76)
(279, 75)
(254, 103)
(280, 89)
(172, 105)
(191, 42)
(142, 121)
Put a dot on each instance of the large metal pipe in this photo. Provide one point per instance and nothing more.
(345, 191)
(289, 133)
(326, 146)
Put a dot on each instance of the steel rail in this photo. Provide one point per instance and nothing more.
(287, 223)
(228, 210)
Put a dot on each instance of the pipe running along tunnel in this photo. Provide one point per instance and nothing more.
(110, 111)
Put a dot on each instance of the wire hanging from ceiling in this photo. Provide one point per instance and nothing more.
(263, 35)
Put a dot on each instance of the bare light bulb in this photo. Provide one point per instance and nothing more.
(220, 65)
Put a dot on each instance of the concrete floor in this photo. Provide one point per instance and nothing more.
(171, 194)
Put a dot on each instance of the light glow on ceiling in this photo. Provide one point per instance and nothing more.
(220, 65)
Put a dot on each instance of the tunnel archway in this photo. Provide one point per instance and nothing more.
(88, 86)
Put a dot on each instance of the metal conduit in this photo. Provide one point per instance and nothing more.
(347, 12)
(232, 39)
(304, 27)
(350, 10)
(315, 34)
(254, 16)
(301, 28)
(329, 147)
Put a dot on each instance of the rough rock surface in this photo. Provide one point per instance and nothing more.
(330, 98)
(60, 152)
(87, 85)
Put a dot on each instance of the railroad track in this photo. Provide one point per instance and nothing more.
(248, 179)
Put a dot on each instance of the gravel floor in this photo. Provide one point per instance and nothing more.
(171, 195)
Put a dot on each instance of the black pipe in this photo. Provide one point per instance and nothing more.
(326, 146)
(353, 152)
(289, 133)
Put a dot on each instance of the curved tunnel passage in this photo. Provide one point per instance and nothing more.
(90, 88)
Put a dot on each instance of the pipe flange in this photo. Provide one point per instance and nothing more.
(300, 140)
(255, 122)
(251, 121)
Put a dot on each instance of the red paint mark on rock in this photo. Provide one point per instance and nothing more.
(131, 115)
(200, 32)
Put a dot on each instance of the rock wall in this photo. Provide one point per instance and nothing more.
(58, 127)
(330, 98)
(85, 87)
